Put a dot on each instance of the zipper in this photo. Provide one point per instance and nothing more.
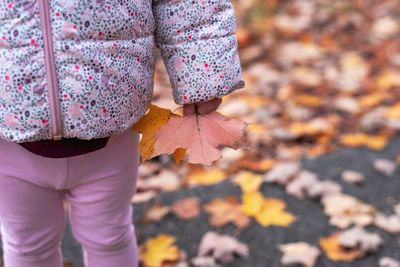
(51, 74)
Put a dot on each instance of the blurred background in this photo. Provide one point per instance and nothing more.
(315, 72)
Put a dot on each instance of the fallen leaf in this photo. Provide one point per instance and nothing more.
(186, 208)
(206, 177)
(255, 165)
(252, 203)
(200, 135)
(335, 251)
(299, 252)
(357, 237)
(324, 188)
(159, 249)
(307, 184)
(248, 181)
(390, 223)
(226, 210)
(345, 210)
(385, 166)
(221, 247)
(267, 211)
(156, 213)
(272, 213)
(282, 172)
(302, 183)
(165, 180)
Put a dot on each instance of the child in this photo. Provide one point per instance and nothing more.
(74, 77)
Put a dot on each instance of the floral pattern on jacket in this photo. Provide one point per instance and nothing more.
(104, 61)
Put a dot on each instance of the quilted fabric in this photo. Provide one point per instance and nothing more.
(105, 58)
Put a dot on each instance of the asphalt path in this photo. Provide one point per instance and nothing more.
(311, 224)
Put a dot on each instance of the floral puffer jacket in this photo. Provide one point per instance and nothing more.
(85, 68)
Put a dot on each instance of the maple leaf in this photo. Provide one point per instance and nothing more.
(299, 252)
(267, 211)
(226, 210)
(273, 213)
(345, 210)
(336, 252)
(186, 208)
(248, 181)
(148, 125)
(222, 247)
(155, 213)
(200, 135)
(160, 249)
(357, 237)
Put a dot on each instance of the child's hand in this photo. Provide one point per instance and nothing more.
(202, 108)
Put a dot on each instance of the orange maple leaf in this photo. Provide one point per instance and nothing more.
(200, 135)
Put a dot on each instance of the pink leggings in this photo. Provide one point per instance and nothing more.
(98, 187)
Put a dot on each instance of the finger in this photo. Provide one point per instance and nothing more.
(189, 109)
(208, 107)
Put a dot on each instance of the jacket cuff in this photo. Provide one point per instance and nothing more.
(203, 69)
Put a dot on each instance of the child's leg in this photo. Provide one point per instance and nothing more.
(100, 202)
(32, 223)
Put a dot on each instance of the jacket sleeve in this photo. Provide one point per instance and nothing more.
(199, 48)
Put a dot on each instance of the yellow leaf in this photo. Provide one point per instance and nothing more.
(268, 211)
(252, 202)
(336, 252)
(359, 139)
(272, 213)
(160, 249)
(148, 125)
(248, 181)
(206, 177)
